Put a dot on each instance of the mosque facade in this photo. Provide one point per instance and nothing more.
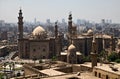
(40, 46)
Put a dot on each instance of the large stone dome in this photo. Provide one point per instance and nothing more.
(90, 32)
(39, 32)
(118, 43)
(71, 48)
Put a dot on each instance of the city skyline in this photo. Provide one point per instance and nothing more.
(92, 10)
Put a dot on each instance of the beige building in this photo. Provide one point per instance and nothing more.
(105, 71)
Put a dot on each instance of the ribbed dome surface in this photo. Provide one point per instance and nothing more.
(71, 47)
(118, 43)
(90, 31)
(38, 31)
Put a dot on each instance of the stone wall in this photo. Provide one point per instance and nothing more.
(29, 70)
(65, 69)
(105, 74)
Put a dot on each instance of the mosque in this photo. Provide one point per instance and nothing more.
(38, 45)
(41, 46)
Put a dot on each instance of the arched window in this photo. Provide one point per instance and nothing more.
(44, 57)
(99, 75)
(44, 50)
(95, 73)
(107, 77)
(34, 50)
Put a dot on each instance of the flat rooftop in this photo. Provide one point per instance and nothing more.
(86, 75)
(106, 67)
(52, 72)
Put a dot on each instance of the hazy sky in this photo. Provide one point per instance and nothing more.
(93, 10)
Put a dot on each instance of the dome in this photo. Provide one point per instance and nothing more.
(118, 43)
(39, 32)
(71, 48)
(90, 32)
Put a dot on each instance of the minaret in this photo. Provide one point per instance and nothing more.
(94, 53)
(70, 24)
(94, 45)
(56, 30)
(20, 25)
(57, 41)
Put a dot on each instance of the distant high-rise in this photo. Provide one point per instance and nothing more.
(103, 21)
(48, 20)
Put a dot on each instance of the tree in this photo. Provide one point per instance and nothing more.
(86, 58)
(117, 60)
(102, 56)
(113, 56)
(1, 75)
(40, 61)
(54, 58)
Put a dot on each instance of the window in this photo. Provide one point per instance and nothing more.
(44, 57)
(34, 50)
(95, 73)
(44, 50)
(107, 77)
(99, 75)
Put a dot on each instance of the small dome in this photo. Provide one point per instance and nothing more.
(90, 32)
(39, 32)
(118, 43)
(71, 48)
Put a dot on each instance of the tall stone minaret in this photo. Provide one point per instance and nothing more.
(57, 41)
(20, 25)
(94, 53)
(70, 24)
(94, 45)
(56, 30)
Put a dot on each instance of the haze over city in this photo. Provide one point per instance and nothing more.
(92, 10)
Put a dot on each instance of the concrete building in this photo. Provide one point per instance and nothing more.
(3, 51)
(107, 71)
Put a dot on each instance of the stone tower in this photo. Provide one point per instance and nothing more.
(20, 35)
(72, 31)
(57, 41)
(20, 25)
(70, 24)
(56, 30)
(94, 53)
(71, 54)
